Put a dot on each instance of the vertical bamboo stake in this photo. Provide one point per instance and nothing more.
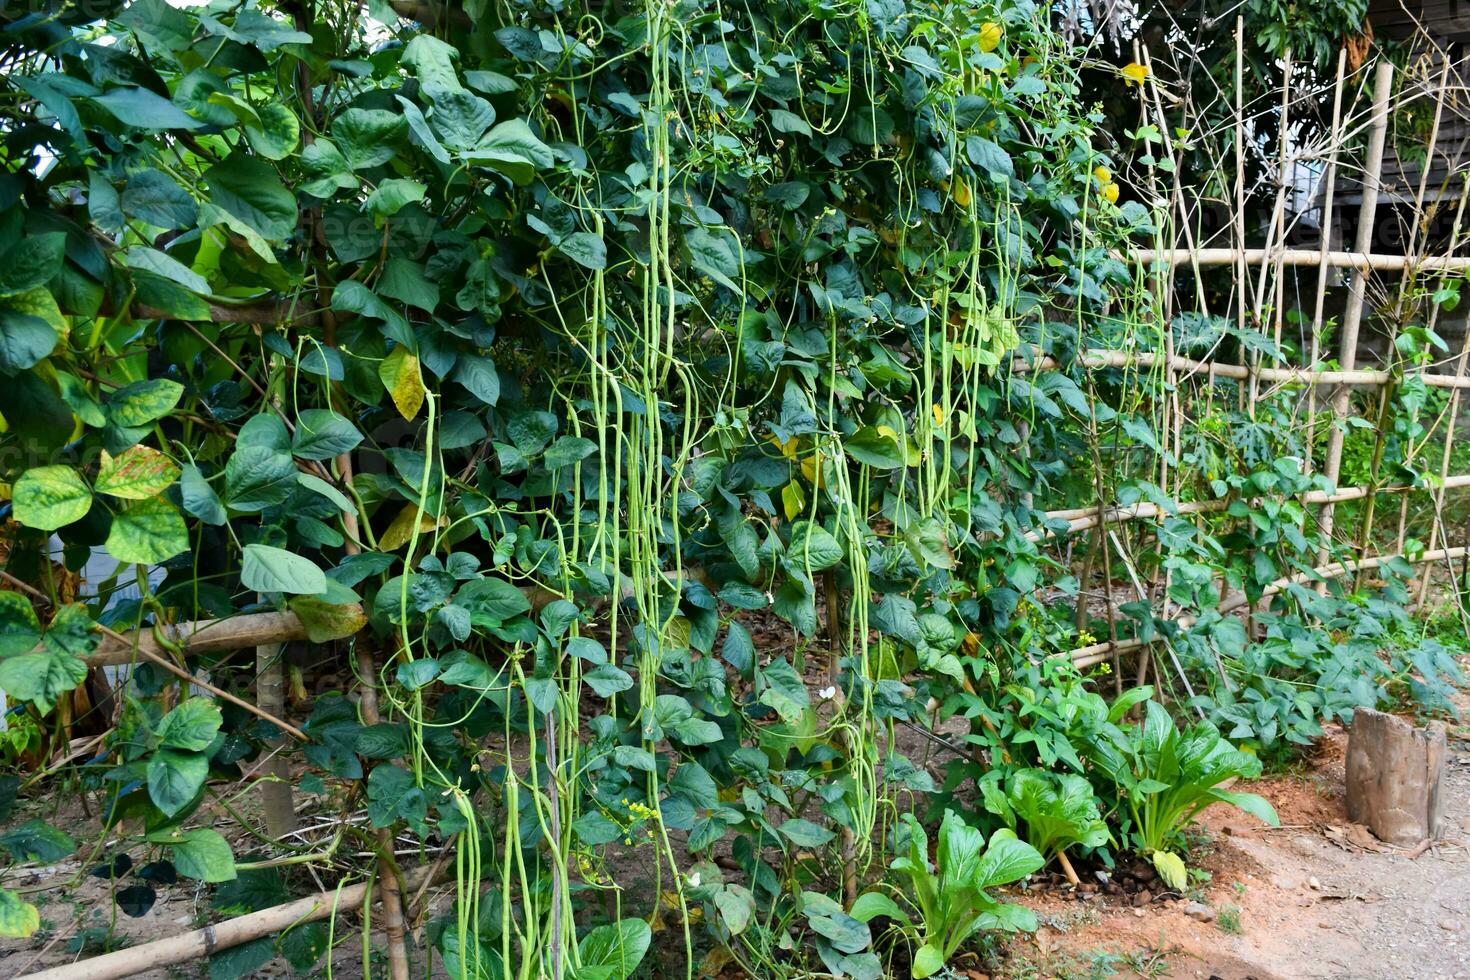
(1353, 316)
(1454, 411)
(275, 790)
(1242, 274)
(1276, 233)
(1324, 271)
(1403, 311)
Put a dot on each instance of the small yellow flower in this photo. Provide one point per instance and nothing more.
(990, 35)
(1110, 193)
(1134, 73)
(1103, 174)
(938, 414)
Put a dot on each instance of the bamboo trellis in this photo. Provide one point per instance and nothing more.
(1260, 273)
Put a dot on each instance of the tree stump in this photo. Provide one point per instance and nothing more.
(1394, 777)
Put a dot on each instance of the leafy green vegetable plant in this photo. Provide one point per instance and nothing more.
(949, 897)
(1165, 777)
(1055, 810)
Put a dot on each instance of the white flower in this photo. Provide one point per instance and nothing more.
(827, 693)
(694, 880)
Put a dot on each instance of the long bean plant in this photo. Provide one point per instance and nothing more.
(648, 413)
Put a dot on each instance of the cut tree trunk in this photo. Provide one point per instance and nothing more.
(1394, 776)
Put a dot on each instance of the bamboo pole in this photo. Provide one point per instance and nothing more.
(1454, 415)
(1242, 276)
(1096, 653)
(205, 942)
(1083, 518)
(201, 636)
(1366, 528)
(168, 665)
(1353, 317)
(1097, 357)
(1362, 260)
(1324, 268)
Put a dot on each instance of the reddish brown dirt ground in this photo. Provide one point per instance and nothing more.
(1315, 898)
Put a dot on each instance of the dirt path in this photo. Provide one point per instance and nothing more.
(1316, 899)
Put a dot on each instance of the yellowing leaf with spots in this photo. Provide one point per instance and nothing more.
(399, 372)
(990, 35)
(137, 474)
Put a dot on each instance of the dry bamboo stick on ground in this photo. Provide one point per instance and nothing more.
(1096, 653)
(206, 942)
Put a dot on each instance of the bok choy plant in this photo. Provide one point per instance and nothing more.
(1054, 810)
(1165, 777)
(949, 898)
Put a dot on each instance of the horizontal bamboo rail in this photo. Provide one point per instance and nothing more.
(1082, 518)
(1096, 358)
(1363, 261)
(203, 636)
(201, 943)
(1096, 653)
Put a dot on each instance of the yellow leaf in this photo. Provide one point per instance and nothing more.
(960, 191)
(990, 35)
(137, 474)
(399, 372)
(1134, 73)
(788, 448)
(401, 530)
(811, 468)
(1171, 868)
(793, 500)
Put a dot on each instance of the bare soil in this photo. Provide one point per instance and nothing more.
(1317, 898)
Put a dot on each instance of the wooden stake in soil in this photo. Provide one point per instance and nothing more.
(275, 790)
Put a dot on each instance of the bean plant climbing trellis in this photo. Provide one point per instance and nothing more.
(571, 472)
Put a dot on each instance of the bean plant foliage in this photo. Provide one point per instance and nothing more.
(655, 406)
